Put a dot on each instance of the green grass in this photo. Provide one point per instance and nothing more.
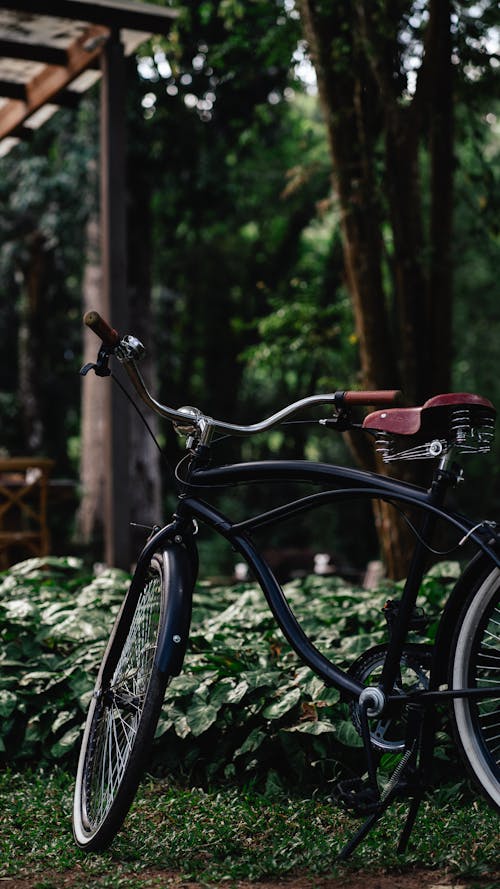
(227, 835)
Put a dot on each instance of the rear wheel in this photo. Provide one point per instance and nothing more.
(475, 663)
(123, 714)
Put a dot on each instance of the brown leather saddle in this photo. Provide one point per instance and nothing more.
(454, 420)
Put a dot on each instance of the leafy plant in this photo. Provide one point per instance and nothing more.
(244, 707)
(54, 620)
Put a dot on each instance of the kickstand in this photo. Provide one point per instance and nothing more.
(427, 740)
(410, 821)
(379, 806)
(394, 788)
(370, 822)
(363, 831)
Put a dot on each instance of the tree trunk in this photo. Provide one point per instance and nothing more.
(90, 516)
(440, 287)
(145, 472)
(346, 107)
(31, 341)
(403, 331)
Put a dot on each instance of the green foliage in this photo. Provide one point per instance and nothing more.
(250, 301)
(244, 708)
(54, 620)
(46, 190)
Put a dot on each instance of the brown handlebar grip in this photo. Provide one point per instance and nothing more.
(109, 336)
(376, 397)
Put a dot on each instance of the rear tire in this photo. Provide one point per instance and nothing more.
(475, 663)
(123, 714)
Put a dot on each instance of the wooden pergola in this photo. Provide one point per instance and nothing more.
(51, 52)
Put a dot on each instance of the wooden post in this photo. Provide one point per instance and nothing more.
(113, 234)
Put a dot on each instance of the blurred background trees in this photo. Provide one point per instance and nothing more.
(280, 242)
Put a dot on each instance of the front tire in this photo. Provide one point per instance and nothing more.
(123, 713)
(475, 663)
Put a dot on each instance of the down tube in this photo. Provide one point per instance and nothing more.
(276, 599)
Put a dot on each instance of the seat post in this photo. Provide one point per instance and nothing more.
(443, 478)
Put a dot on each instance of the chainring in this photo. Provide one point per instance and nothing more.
(388, 732)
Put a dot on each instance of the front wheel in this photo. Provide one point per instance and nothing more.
(475, 663)
(125, 707)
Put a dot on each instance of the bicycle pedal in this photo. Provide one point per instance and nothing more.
(356, 797)
(418, 620)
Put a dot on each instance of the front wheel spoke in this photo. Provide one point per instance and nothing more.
(110, 772)
(121, 756)
(111, 776)
(119, 734)
(98, 793)
(128, 669)
(100, 781)
(133, 704)
(130, 698)
(113, 736)
(110, 764)
(129, 730)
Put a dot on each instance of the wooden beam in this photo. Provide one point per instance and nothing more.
(68, 99)
(23, 133)
(54, 78)
(10, 89)
(111, 13)
(32, 52)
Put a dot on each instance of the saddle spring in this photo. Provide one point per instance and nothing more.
(470, 431)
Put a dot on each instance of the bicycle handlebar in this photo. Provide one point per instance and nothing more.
(189, 420)
(107, 334)
(380, 397)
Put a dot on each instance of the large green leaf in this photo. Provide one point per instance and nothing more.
(282, 705)
(316, 727)
(8, 703)
(201, 716)
(252, 742)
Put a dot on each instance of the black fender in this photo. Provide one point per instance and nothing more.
(179, 577)
(475, 572)
(179, 563)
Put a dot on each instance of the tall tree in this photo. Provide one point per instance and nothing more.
(376, 130)
(386, 80)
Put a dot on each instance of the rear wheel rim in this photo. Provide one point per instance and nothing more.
(477, 665)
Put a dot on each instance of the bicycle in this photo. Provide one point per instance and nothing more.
(393, 689)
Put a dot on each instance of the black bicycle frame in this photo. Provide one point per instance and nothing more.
(341, 483)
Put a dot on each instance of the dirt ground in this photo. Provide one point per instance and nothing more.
(152, 879)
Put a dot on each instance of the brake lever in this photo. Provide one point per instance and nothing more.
(101, 366)
(341, 422)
